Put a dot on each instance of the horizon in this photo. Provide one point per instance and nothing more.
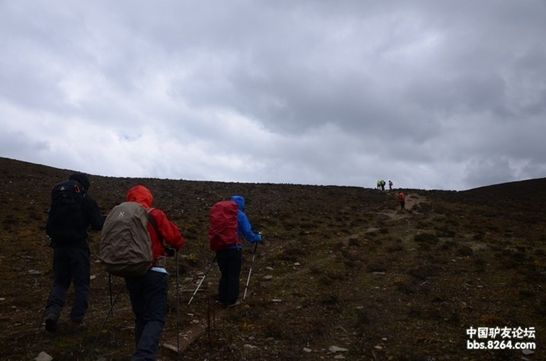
(266, 183)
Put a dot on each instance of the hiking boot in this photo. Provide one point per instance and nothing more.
(51, 323)
(234, 304)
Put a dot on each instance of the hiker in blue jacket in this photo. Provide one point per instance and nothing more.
(244, 228)
(229, 258)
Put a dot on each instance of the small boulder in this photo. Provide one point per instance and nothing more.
(43, 356)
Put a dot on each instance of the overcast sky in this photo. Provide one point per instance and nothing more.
(430, 94)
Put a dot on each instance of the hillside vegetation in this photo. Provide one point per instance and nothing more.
(340, 266)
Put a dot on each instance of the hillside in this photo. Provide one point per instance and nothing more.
(340, 266)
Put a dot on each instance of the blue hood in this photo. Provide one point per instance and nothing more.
(240, 202)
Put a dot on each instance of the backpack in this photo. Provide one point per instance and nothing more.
(223, 225)
(125, 246)
(66, 220)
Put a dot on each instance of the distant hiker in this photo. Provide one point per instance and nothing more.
(228, 223)
(402, 200)
(378, 183)
(382, 184)
(145, 275)
(71, 213)
(390, 185)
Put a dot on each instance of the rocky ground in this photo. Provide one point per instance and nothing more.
(342, 274)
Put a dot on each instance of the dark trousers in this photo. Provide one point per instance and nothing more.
(148, 295)
(70, 264)
(229, 262)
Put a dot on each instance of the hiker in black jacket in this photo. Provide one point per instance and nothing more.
(72, 212)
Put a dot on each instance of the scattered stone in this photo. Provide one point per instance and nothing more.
(339, 357)
(2, 299)
(92, 277)
(378, 347)
(384, 339)
(171, 348)
(248, 346)
(276, 300)
(307, 349)
(269, 268)
(527, 352)
(43, 356)
(297, 264)
(378, 273)
(268, 277)
(335, 349)
(34, 272)
(195, 321)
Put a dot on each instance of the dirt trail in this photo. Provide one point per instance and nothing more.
(412, 200)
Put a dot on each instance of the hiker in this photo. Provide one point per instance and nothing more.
(148, 292)
(402, 200)
(228, 224)
(71, 213)
(390, 185)
(382, 184)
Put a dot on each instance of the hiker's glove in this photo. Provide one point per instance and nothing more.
(170, 252)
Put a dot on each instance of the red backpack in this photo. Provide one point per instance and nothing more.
(223, 225)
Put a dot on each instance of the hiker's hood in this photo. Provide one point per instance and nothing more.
(140, 194)
(240, 202)
(81, 178)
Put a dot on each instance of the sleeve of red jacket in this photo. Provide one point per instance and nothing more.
(169, 231)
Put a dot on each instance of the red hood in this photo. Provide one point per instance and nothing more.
(140, 194)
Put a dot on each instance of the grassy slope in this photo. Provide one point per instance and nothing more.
(348, 268)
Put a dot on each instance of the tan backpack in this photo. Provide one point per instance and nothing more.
(125, 247)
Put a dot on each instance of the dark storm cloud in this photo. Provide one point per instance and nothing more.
(443, 94)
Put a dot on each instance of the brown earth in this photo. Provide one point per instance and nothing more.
(346, 267)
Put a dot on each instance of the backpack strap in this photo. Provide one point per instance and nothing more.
(154, 225)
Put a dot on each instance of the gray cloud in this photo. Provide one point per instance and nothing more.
(432, 94)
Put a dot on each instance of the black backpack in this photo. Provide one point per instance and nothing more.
(66, 222)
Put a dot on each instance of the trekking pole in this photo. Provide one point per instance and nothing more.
(250, 269)
(113, 301)
(177, 308)
(202, 279)
(110, 291)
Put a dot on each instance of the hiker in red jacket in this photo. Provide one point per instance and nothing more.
(228, 225)
(402, 200)
(148, 293)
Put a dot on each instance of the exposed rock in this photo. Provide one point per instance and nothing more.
(43, 356)
(335, 349)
